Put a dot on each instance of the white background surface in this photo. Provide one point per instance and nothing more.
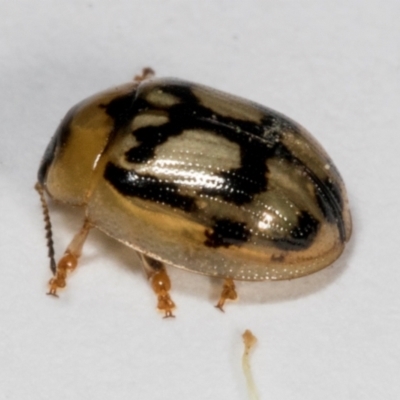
(332, 66)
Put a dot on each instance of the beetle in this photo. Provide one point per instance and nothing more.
(196, 178)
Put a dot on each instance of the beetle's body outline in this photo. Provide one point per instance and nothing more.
(196, 178)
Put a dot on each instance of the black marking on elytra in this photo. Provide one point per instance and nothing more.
(122, 109)
(330, 202)
(258, 142)
(226, 232)
(302, 235)
(58, 141)
(269, 122)
(150, 137)
(240, 184)
(328, 194)
(147, 187)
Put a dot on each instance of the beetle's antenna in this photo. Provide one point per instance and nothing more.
(47, 227)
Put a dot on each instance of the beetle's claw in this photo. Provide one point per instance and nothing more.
(168, 314)
(52, 292)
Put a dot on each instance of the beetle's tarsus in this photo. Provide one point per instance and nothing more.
(160, 282)
(161, 285)
(228, 293)
(68, 261)
(166, 304)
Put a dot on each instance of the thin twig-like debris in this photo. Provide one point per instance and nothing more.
(249, 341)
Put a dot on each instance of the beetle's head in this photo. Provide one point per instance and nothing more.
(70, 162)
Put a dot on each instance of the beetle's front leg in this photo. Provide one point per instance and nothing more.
(69, 260)
(160, 282)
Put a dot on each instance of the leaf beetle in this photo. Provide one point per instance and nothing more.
(192, 177)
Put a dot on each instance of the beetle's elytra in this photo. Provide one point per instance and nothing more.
(199, 179)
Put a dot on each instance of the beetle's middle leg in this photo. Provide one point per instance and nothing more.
(160, 282)
(69, 260)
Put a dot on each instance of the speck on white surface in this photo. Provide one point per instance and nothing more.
(332, 66)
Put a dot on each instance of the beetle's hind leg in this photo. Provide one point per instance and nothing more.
(228, 293)
(160, 282)
(69, 260)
